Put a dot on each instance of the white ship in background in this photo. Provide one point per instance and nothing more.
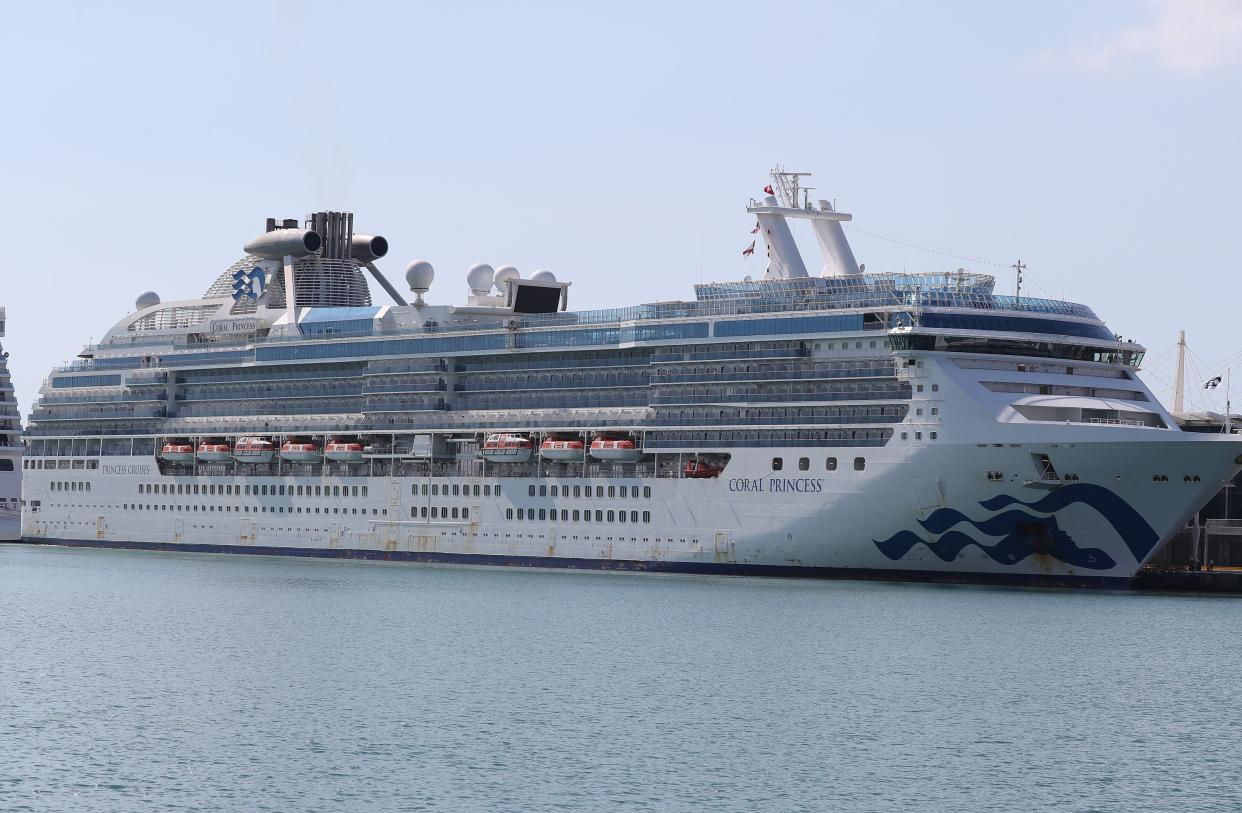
(10, 451)
(843, 424)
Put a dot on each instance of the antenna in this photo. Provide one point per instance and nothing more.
(1179, 382)
(1019, 267)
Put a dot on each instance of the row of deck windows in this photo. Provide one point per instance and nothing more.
(257, 509)
(575, 515)
(440, 512)
(70, 485)
(457, 489)
(581, 491)
(830, 464)
(255, 490)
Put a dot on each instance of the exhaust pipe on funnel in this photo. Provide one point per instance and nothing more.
(366, 248)
(281, 243)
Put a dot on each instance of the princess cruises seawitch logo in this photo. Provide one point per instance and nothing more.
(248, 283)
(1022, 534)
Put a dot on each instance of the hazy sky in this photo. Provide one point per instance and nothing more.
(1098, 141)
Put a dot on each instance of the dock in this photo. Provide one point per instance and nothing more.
(1163, 578)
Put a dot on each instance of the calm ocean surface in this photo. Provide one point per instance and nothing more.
(144, 681)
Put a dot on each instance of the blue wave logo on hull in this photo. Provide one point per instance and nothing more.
(1023, 534)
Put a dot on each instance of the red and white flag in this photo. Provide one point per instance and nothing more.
(755, 230)
(749, 250)
(768, 189)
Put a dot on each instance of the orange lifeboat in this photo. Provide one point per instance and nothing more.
(507, 447)
(214, 451)
(254, 450)
(177, 451)
(297, 450)
(341, 450)
(570, 450)
(617, 450)
(702, 469)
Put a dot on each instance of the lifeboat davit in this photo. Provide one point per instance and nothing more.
(340, 450)
(507, 447)
(300, 451)
(254, 450)
(177, 451)
(560, 449)
(214, 451)
(617, 450)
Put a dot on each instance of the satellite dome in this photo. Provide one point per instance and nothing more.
(419, 275)
(503, 274)
(543, 275)
(146, 299)
(479, 278)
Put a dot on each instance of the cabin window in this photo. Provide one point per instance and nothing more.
(543, 491)
(646, 516)
(804, 463)
(778, 463)
(487, 491)
(454, 512)
(933, 435)
(612, 516)
(647, 491)
(543, 513)
(620, 516)
(612, 491)
(935, 388)
(920, 388)
(435, 489)
(354, 492)
(860, 463)
(599, 491)
(586, 516)
(476, 491)
(508, 513)
(599, 516)
(577, 513)
(577, 491)
(530, 490)
(455, 490)
(497, 490)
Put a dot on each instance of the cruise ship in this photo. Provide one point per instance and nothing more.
(830, 422)
(10, 452)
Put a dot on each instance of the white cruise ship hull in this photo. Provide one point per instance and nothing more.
(925, 513)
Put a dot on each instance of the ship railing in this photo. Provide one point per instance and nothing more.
(1115, 422)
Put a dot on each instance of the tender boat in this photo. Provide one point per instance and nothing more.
(300, 451)
(341, 450)
(214, 451)
(254, 450)
(561, 449)
(177, 451)
(616, 450)
(507, 447)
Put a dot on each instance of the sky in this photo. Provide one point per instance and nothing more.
(617, 145)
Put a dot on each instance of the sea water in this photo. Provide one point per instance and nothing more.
(162, 681)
